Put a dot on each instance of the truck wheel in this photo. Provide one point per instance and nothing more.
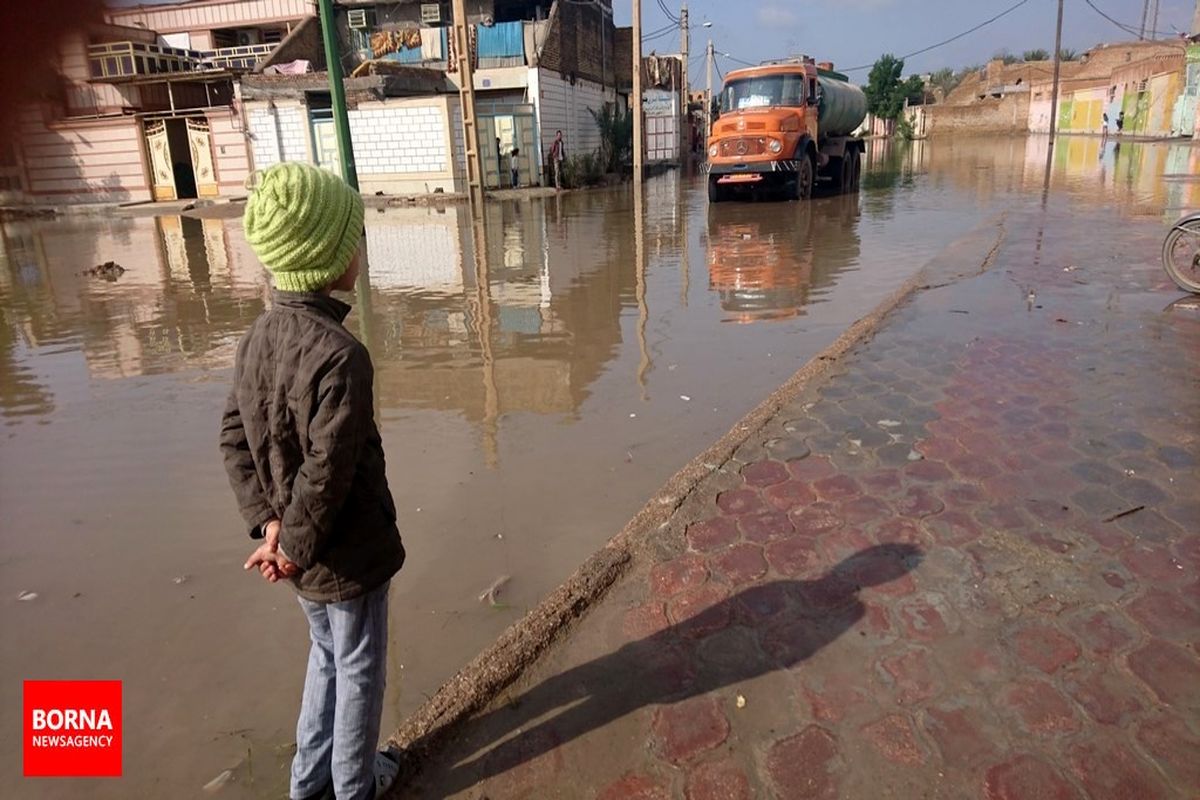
(846, 182)
(856, 172)
(715, 193)
(802, 187)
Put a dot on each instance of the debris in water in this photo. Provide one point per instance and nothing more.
(913, 455)
(25, 597)
(685, 398)
(490, 593)
(889, 423)
(633, 416)
(1070, 269)
(109, 270)
(959, 311)
(672, 367)
(179, 580)
(1124, 513)
(218, 783)
(741, 701)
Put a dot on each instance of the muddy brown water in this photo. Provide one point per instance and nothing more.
(530, 401)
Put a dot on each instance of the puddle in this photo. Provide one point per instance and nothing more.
(530, 400)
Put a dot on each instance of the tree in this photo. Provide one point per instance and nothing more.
(945, 80)
(1036, 55)
(1067, 54)
(1006, 57)
(885, 90)
(616, 136)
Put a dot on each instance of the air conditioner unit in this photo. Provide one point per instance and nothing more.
(431, 13)
(357, 19)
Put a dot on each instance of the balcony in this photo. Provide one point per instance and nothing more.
(113, 62)
(504, 44)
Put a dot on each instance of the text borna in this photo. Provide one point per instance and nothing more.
(71, 719)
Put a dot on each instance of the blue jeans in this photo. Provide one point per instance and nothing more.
(338, 731)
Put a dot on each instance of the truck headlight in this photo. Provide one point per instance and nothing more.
(712, 151)
(775, 146)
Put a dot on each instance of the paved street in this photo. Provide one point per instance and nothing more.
(963, 565)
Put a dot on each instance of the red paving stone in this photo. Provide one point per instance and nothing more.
(966, 620)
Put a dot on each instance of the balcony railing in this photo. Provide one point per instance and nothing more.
(114, 61)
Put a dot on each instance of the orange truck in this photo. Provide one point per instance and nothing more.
(785, 127)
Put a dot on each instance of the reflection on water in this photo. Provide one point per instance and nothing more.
(540, 372)
(767, 268)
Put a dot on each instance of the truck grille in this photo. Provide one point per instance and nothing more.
(743, 147)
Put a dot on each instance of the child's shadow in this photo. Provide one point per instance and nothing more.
(764, 628)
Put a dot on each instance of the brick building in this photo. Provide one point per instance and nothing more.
(540, 66)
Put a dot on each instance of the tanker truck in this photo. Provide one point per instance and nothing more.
(783, 128)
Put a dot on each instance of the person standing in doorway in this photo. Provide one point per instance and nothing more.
(514, 166)
(557, 155)
(1105, 134)
(1120, 122)
(305, 461)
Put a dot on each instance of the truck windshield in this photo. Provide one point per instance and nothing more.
(769, 90)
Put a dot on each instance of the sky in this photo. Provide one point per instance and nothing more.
(856, 32)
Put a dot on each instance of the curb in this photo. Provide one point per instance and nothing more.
(503, 662)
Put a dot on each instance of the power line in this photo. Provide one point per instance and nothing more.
(955, 38)
(658, 34)
(1131, 30)
(670, 15)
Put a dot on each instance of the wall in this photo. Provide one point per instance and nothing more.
(564, 107)
(1006, 115)
(580, 42)
(278, 133)
(401, 145)
(82, 161)
(204, 16)
(230, 155)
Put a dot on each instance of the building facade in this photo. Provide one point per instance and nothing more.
(539, 68)
(145, 105)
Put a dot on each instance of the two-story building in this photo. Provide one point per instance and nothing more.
(145, 105)
(540, 66)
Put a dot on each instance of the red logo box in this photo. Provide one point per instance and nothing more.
(72, 729)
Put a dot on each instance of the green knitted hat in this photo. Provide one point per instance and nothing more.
(304, 224)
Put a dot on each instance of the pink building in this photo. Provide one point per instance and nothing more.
(146, 105)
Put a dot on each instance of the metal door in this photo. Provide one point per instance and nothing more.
(200, 143)
(324, 136)
(162, 173)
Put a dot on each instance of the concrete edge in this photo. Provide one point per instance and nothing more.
(503, 662)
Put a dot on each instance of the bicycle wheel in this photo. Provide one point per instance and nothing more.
(1181, 255)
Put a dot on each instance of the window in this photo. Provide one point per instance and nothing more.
(764, 92)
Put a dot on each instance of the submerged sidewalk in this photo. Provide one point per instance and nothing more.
(962, 564)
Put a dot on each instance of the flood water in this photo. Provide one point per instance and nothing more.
(539, 375)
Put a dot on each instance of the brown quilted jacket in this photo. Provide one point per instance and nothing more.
(301, 446)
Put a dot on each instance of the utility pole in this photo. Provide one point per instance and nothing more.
(466, 74)
(637, 92)
(685, 151)
(337, 94)
(708, 100)
(1057, 68)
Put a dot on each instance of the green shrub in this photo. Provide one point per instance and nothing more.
(586, 169)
